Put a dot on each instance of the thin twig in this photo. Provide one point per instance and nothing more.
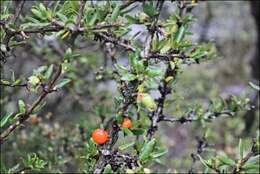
(152, 29)
(127, 4)
(81, 10)
(12, 85)
(18, 11)
(117, 41)
(188, 118)
(164, 90)
(106, 153)
(29, 111)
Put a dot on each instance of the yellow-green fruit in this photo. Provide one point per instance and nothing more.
(146, 170)
(143, 17)
(146, 100)
(34, 80)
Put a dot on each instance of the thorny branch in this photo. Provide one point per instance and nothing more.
(152, 29)
(13, 85)
(202, 144)
(127, 4)
(106, 154)
(164, 90)
(18, 10)
(29, 110)
(81, 10)
(190, 117)
(57, 26)
(253, 151)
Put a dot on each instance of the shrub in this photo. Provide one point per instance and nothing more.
(63, 35)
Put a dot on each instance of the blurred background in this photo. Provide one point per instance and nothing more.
(70, 114)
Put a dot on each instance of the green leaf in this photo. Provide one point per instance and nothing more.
(149, 9)
(14, 169)
(21, 105)
(5, 119)
(91, 148)
(42, 24)
(30, 20)
(5, 82)
(39, 107)
(127, 10)
(13, 76)
(42, 7)
(137, 131)
(17, 81)
(254, 86)
(241, 148)
(34, 162)
(139, 67)
(155, 43)
(62, 16)
(93, 19)
(133, 58)
(65, 34)
(226, 160)
(61, 83)
(204, 162)
(127, 145)
(159, 153)
(108, 169)
(40, 69)
(165, 48)
(67, 54)
(49, 71)
(250, 166)
(127, 131)
(180, 34)
(37, 13)
(128, 77)
(206, 170)
(119, 117)
(198, 54)
(254, 159)
(132, 20)
(115, 13)
(16, 116)
(122, 68)
(147, 150)
(153, 72)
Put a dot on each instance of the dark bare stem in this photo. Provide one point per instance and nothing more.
(18, 10)
(81, 10)
(152, 29)
(127, 4)
(12, 85)
(164, 90)
(106, 152)
(117, 41)
(254, 151)
(191, 118)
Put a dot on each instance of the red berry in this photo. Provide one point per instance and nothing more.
(127, 123)
(100, 136)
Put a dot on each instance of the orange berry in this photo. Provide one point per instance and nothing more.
(127, 123)
(100, 136)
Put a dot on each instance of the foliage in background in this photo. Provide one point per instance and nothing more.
(79, 47)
